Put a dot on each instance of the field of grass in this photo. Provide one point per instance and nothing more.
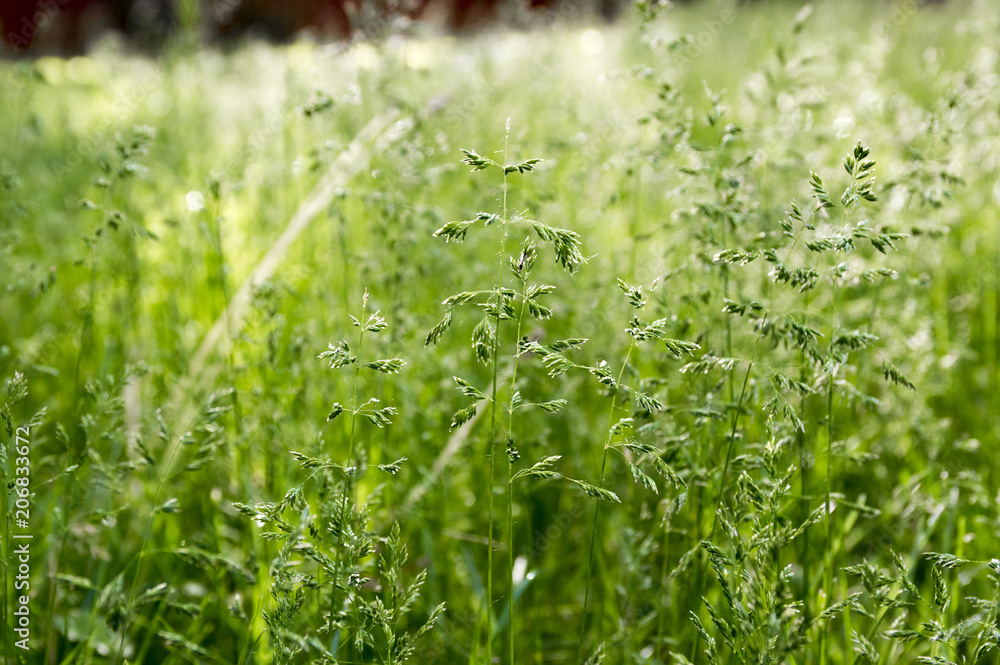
(307, 359)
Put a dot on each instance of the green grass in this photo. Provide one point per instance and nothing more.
(731, 468)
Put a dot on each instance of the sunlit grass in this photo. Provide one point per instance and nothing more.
(766, 377)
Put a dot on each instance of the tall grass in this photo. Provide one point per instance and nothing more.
(772, 368)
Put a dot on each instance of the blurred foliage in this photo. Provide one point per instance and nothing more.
(138, 195)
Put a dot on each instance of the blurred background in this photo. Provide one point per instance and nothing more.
(153, 153)
(70, 26)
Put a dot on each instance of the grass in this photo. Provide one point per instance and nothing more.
(730, 287)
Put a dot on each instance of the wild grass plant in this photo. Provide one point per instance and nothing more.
(626, 435)
(501, 303)
(337, 540)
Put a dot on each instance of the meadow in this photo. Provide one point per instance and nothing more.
(667, 341)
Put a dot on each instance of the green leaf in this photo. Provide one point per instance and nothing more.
(477, 161)
(904, 635)
(378, 416)
(462, 416)
(75, 582)
(512, 453)
(454, 231)
(565, 243)
(387, 366)
(567, 344)
(171, 505)
(895, 376)
(647, 402)
(596, 492)
(668, 473)
(339, 355)
(484, 338)
(945, 560)
(542, 469)
(633, 294)
(641, 478)
(538, 311)
(308, 462)
(819, 191)
(468, 389)
(376, 323)
(707, 363)
(437, 331)
(460, 298)
(523, 167)
(855, 340)
(393, 467)
(553, 406)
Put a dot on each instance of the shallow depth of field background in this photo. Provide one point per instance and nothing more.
(140, 188)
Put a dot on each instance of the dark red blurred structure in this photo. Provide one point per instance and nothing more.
(67, 26)
(281, 20)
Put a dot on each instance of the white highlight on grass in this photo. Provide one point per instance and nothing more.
(195, 201)
(592, 42)
(520, 567)
(159, 103)
(844, 124)
(81, 70)
(365, 56)
(419, 54)
(465, 63)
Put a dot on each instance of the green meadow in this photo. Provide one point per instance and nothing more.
(672, 340)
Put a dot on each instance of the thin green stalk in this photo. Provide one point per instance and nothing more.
(800, 440)
(138, 558)
(743, 392)
(729, 322)
(804, 514)
(735, 425)
(86, 331)
(345, 256)
(493, 411)
(510, 485)
(241, 461)
(597, 505)
(86, 340)
(354, 415)
(50, 608)
(708, 438)
(349, 485)
(828, 573)
(493, 429)
(700, 576)
(710, 443)
(871, 322)
(663, 575)
(634, 226)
